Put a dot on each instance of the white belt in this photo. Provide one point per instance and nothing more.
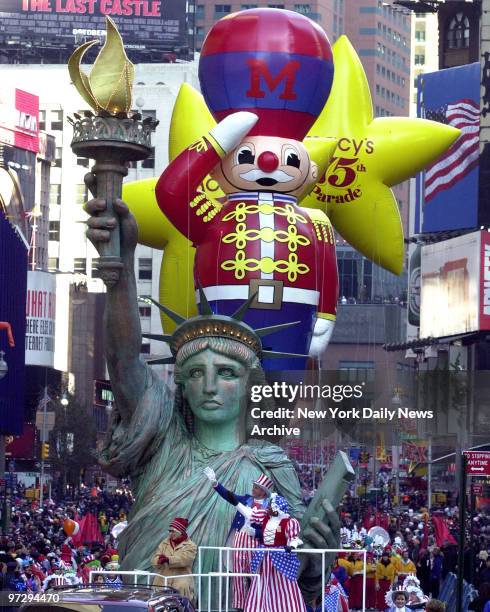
(241, 292)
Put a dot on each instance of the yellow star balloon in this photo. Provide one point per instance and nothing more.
(371, 156)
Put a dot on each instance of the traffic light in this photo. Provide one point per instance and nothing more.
(45, 450)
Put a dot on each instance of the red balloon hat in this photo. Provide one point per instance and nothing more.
(275, 63)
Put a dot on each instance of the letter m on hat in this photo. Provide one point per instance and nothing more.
(259, 70)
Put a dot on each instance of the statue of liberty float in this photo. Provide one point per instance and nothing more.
(244, 213)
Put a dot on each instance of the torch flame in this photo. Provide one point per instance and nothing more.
(109, 85)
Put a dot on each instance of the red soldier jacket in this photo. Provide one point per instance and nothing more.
(257, 242)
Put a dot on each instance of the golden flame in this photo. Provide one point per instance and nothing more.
(110, 82)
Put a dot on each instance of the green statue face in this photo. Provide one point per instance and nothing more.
(215, 386)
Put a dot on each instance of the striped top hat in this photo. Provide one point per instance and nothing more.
(272, 62)
(265, 483)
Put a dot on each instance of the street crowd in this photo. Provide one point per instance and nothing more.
(36, 552)
(406, 541)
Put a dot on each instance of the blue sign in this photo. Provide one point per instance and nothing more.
(13, 287)
(447, 192)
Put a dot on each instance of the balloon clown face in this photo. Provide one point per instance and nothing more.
(267, 164)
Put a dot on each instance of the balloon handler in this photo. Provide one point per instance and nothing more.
(242, 533)
(260, 245)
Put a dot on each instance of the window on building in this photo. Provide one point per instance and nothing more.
(458, 33)
(222, 9)
(42, 119)
(54, 194)
(245, 7)
(54, 230)
(145, 348)
(149, 162)
(199, 37)
(276, 6)
(420, 35)
(80, 265)
(144, 268)
(95, 268)
(304, 9)
(145, 312)
(53, 264)
(419, 59)
(56, 117)
(200, 11)
(58, 152)
(356, 371)
(81, 194)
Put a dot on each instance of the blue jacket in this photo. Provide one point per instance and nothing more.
(234, 499)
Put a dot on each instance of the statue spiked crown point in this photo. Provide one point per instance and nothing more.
(214, 325)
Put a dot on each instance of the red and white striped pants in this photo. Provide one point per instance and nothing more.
(241, 564)
(277, 593)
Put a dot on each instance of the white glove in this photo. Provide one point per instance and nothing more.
(230, 132)
(322, 332)
(249, 530)
(210, 475)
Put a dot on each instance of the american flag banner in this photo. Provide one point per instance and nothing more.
(336, 599)
(447, 193)
(462, 157)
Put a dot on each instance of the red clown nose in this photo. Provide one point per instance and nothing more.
(268, 161)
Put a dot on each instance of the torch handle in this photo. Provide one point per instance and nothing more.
(109, 178)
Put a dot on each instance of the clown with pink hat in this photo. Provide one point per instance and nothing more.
(265, 76)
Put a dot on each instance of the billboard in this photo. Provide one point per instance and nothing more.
(13, 281)
(485, 281)
(455, 286)
(40, 318)
(19, 119)
(451, 96)
(49, 30)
